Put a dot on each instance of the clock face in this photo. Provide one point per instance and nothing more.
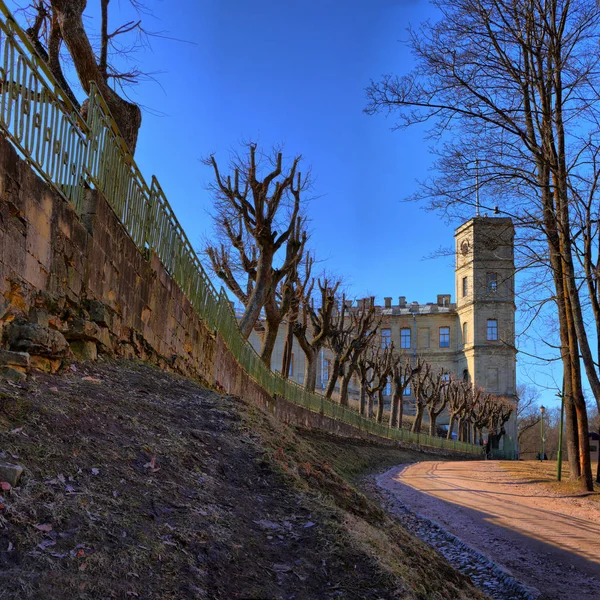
(464, 247)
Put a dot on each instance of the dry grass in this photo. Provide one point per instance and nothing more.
(544, 473)
(148, 485)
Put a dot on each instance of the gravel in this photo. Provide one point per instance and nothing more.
(489, 577)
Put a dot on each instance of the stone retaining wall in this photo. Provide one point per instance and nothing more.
(73, 288)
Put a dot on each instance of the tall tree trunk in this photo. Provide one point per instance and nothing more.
(310, 369)
(127, 115)
(345, 385)
(286, 359)
(432, 423)
(335, 373)
(371, 405)
(268, 342)
(363, 400)
(451, 426)
(394, 409)
(380, 406)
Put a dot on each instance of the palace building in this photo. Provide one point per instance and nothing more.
(472, 338)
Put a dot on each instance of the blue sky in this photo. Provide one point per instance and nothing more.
(295, 73)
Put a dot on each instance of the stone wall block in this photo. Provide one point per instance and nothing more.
(23, 336)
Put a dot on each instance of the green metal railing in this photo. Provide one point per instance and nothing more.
(71, 153)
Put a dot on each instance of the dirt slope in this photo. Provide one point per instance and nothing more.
(142, 484)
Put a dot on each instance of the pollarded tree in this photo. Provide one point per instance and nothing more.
(402, 376)
(312, 327)
(260, 233)
(350, 335)
(437, 398)
(58, 22)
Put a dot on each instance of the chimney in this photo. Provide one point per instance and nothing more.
(402, 301)
(372, 300)
(388, 302)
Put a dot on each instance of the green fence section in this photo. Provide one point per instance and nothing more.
(71, 153)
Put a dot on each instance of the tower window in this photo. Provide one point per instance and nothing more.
(492, 330)
(465, 286)
(491, 283)
(405, 338)
(444, 337)
(465, 333)
(386, 338)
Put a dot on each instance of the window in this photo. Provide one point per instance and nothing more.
(491, 283)
(492, 330)
(407, 390)
(466, 375)
(386, 338)
(291, 369)
(387, 390)
(465, 286)
(405, 338)
(465, 333)
(444, 337)
(325, 373)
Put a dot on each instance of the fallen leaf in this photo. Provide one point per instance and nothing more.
(152, 463)
(95, 471)
(46, 544)
(73, 368)
(2, 506)
(80, 553)
(5, 486)
(10, 547)
(91, 379)
(309, 524)
(16, 430)
(61, 478)
(83, 566)
(53, 389)
(45, 527)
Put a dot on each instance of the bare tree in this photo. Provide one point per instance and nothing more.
(351, 332)
(313, 327)
(516, 83)
(262, 237)
(58, 22)
(402, 376)
(437, 398)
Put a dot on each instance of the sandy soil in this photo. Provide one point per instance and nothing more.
(548, 542)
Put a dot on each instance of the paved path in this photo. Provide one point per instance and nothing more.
(549, 542)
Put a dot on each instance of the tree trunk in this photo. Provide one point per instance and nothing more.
(451, 426)
(335, 373)
(380, 406)
(268, 342)
(286, 359)
(363, 400)
(127, 115)
(394, 409)
(371, 405)
(310, 370)
(416, 428)
(345, 384)
(432, 423)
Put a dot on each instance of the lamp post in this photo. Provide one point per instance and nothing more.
(542, 410)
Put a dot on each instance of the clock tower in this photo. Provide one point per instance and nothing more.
(485, 306)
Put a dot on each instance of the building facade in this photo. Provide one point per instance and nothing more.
(472, 338)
